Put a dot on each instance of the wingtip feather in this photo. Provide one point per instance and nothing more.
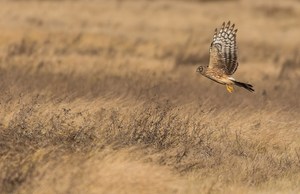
(228, 23)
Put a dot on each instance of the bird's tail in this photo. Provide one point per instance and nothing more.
(248, 87)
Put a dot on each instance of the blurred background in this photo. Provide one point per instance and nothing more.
(103, 97)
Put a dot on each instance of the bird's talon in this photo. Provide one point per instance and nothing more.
(229, 88)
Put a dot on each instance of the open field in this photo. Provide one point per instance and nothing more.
(103, 97)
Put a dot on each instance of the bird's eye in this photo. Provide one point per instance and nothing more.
(200, 69)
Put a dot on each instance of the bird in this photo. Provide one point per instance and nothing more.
(223, 59)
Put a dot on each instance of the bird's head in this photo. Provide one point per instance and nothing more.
(200, 69)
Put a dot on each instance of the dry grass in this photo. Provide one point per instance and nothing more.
(102, 97)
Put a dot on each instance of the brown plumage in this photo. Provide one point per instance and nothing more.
(223, 59)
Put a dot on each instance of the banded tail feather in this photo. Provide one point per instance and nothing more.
(248, 87)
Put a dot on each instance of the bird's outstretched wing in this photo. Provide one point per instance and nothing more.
(223, 49)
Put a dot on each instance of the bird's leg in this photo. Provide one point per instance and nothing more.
(229, 88)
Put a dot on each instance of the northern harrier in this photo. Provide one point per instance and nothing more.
(223, 59)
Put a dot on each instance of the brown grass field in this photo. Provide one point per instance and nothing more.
(103, 97)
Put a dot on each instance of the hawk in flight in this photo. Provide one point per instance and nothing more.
(223, 59)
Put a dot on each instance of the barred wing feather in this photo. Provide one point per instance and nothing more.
(223, 49)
